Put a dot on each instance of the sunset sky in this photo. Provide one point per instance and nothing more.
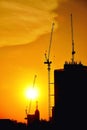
(25, 28)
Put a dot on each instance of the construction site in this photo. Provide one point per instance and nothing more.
(70, 98)
(70, 108)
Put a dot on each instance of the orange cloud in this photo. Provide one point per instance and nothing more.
(24, 21)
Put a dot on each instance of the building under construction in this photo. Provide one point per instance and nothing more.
(70, 95)
(70, 109)
(31, 118)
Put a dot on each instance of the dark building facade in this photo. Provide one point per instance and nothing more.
(70, 96)
(33, 118)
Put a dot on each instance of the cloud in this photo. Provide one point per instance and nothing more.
(24, 21)
(84, 2)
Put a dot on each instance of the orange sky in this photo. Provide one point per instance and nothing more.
(25, 28)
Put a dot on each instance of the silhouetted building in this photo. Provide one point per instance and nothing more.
(37, 115)
(32, 118)
(70, 107)
(7, 124)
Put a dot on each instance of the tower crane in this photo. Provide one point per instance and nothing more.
(32, 87)
(73, 51)
(48, 62)
(29, 107)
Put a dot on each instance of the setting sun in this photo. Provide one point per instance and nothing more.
(31, 93)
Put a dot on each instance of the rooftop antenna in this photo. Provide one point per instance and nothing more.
(48, 62)
(73, 51)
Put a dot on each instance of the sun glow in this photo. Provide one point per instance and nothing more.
(31, 93)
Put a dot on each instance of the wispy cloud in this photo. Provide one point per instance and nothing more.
(23, 21)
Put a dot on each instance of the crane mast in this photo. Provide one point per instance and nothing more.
(31, 99)
(27, 110)
(48, 62)
(73, 51)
